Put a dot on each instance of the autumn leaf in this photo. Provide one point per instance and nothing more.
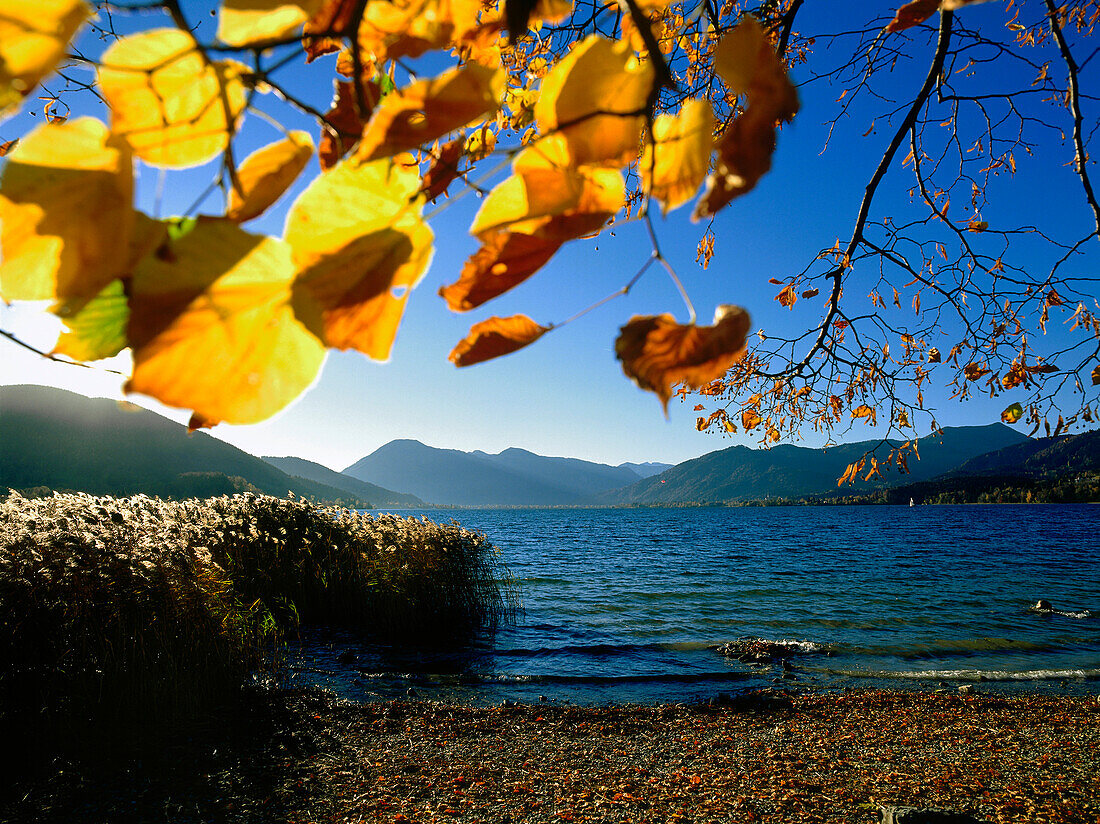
(675, 162)
(65, 212)
(912, 14)
(33, 39)
(750, 419)
(173, 107)
(214, 329)
(98, 330)
(658, 353)
(596, 96)
(865, 412)
(504, 260)
(330, 16)
(407, 28)
(428, 109)
(810, 293)
(495, 337)
(266, 174)
(933, 355)
(255, 22)
(744, 58)
(974, 371)
(787, 296)
(360, 245)
(345, 122)
(443, 170)
(518, 14)
(1096, 376)
(1012, 414)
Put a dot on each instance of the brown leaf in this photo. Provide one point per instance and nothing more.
(495, 337)
(657, 352)
(974, 371)
(505, 260)
(912, 14)
(787, 297)
(1096, 376)
(443, 171)
(811, 293)
(864, 411)
(746, 61)
(933, 355)
(345, 122)
(333, 18)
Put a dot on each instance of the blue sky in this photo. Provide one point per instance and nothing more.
(566, 395)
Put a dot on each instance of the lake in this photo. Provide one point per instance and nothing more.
(637, 605)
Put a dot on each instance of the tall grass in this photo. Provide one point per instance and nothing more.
(143, 608)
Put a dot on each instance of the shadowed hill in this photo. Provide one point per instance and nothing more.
(311, 471)
(64, 441)
(743, 474)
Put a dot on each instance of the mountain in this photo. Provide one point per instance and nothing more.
(301, 468)
(64, 441)
(515, 477)
(1063, 455)
(742, 474)
(647, 469)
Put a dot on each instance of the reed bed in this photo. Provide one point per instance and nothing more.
(138, 608)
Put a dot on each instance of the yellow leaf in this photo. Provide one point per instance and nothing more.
(172, 107)
(33, 38)
(657, 352)
(750, 419)
(408, 28)
(214, 329)
(596, 96)
(675, 163)
(360, 245)
(266, 174)
(746, 61)
(428, 109)
(1012, 413)
(98, 330)
(864, 411)
(252, 22)
(65, 212)
(495, 337)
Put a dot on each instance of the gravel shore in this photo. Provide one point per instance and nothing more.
(812, 757)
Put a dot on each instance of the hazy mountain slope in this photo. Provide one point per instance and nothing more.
(309, 470)
(515, 477)
(740, 473)
(647, 469)
(62, 440)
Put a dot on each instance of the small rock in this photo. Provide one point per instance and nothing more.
(967, 689)
(543, 698)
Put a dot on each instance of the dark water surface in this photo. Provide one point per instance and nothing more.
(625, 605)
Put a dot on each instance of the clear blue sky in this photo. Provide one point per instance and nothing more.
(566, 395)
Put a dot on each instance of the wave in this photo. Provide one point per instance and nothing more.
(764, 650)
(1091, 674)
(480, 679)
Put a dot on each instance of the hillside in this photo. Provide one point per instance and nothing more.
(742, 474)
(64, 441)
(515, 477)
(1040, 457)
(301, 468)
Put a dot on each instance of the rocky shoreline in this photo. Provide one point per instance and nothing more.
(300, 756)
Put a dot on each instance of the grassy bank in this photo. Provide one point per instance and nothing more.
(118, 609)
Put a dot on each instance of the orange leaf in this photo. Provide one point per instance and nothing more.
(443, 171)
(750, 419)
(266, 174)
(810, 293)
(495, 337)
(787, 297)
(214, 327)
(912, 14)
(504, 260)
(408, 28)
(33, 38)
(864, 411)
(173, 107)
(65, 212)
(428, 109)
(675, 162)
(974, 371)
(331, 16)
(657, 352)
(1012, 413)
(596, 97)
(345, 123)
(360, 246)
(746, 61)
(253, 22)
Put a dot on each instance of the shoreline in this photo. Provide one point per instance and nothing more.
(304, 756)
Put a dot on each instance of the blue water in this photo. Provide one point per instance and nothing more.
(625, 605)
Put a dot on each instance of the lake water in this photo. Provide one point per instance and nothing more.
(623, 605)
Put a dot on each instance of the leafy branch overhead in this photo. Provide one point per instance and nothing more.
(567, 120)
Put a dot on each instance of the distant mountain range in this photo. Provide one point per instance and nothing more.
(54, 439)
(309, 470)
(742, 474)
(64, 441)
(515, 477)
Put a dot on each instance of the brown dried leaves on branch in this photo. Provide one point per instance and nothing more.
(495, 337)
(658, 353)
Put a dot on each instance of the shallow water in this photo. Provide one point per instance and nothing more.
(634, 605)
